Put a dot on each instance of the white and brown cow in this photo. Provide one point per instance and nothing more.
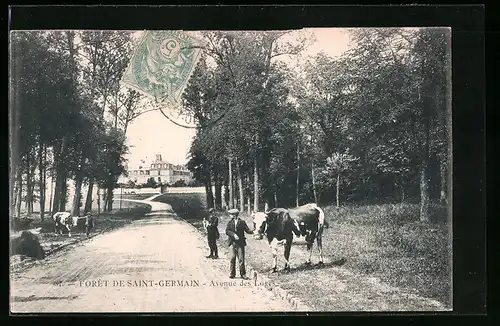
(279, 225)
(64, 220)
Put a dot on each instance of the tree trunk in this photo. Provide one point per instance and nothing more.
(255, 186)
(98, 201)
(218, 196)
(88, 200)
(208, 189)
(314, 183)
(60, 189)
(52, 185)
(116, 113)
(29, 183)
(105, 99)
(298, 176)
(64, 193)
(207, 193)
(424, 177)
(15, 188)
(226, 195)
(218, 189)
(78, 196)
(338, 189)
(443, 179)
(77, 200)
(45, 163)
(104, 200)
(448, 141)
(20, 191)
(12, 191)
(109, 199)
(33, 180)
(230, 183)
(15, 101)
(125, 127)
(249, 206)
(41, 167)
(240, 187)
(275, 199)
(56, 200)
(424, 193)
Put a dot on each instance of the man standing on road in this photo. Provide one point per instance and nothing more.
(235, 230)
(213, 234)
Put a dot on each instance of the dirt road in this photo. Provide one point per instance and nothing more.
(152, 265)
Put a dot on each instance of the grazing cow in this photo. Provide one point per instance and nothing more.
(64, 220)
(280, 224)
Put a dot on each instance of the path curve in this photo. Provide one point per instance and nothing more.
(157, 208)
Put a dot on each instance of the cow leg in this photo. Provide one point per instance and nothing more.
(288, 247)
(274, 250)
(69, 230)
(320, 249)
(310, 250)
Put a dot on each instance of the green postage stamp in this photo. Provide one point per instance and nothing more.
(162, 63)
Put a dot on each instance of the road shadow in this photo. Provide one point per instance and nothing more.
(305, 267)
(35, 298)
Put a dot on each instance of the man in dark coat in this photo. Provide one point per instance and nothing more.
(235, 230)
(213, 234)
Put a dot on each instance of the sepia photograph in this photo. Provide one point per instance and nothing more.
(175, 171)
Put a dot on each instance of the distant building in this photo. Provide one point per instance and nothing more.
(162, 171)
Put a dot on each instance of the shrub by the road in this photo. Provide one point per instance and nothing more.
(27, 244)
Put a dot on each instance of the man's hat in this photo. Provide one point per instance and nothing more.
(233, 211)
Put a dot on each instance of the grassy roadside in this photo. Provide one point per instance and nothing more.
(389, 242)
(383, 241)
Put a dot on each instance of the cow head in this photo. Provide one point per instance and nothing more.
(259, 223)
(74, 220)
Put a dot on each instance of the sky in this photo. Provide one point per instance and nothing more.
(151, 133)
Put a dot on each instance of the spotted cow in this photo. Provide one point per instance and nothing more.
(280, 224)
(64, 220)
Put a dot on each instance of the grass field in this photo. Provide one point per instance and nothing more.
(382, 241)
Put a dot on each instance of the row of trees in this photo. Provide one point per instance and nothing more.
(69, 116)
(369, 126)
